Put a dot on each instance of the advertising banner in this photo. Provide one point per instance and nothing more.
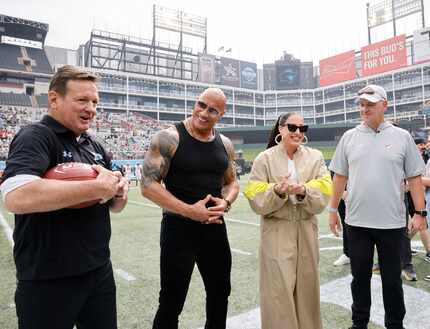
(230, 72)
(248, 75)
(384, 56)
(337, 68)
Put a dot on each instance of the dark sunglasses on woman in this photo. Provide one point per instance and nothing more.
(293, 128)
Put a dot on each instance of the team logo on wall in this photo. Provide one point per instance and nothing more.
(248, 74)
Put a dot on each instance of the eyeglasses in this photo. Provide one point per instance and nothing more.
(211, 110)
(293, 128)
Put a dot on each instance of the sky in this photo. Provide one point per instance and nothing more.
(258, 31)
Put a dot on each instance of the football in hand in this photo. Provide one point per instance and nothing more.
(73, 171)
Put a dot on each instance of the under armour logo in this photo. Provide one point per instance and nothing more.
(67, 155)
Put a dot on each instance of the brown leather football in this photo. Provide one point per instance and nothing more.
(73, 171)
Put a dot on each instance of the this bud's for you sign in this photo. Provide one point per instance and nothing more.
(384, 56)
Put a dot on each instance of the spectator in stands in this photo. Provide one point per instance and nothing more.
(62, 255)
(289, 184)
(375, 157)
(196, 165)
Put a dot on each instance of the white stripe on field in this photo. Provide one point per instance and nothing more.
(241, 221)
(123, 274)
(143, 204)
(7, 230)
(238, 251)
(329, 236)
(331, 248)
(227, 219)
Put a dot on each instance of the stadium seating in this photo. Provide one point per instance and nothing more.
(9, 57)
(41, 63)
(14, 99)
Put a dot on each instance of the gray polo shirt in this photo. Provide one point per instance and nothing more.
(376, 164)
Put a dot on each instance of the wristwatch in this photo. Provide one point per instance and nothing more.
(227, 209)
(422, 213)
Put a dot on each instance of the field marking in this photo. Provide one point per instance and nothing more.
(329, 236)
(338, 292)
(7, 229)
(124, 275)
(331, 248)
(143, 204)
(228, 219)
(241, 252)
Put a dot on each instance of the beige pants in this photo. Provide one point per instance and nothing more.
(289, 277)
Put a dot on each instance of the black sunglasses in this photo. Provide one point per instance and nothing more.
(211, 110)
(293, 128)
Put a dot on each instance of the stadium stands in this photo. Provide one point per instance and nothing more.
(9, 57)
(14, 99)
(39, 60)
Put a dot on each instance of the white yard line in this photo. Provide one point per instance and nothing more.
(143, 204)
(241, 252)
(331, 248)
(7, 229)
(124, 275)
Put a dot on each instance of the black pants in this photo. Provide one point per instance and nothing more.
(87, 301)
(185, 243)
(362, 242)
(405, 241)
(342, 210)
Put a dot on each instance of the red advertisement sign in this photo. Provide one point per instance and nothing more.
(384, 56)
(337, 68)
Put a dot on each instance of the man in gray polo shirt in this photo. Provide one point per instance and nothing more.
(375, 157)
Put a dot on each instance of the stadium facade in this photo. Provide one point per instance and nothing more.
(25, 70)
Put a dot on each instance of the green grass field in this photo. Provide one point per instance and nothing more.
(135, 249)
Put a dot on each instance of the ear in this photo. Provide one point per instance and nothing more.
(53, 97)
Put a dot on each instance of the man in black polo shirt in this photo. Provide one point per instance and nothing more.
(62, 255)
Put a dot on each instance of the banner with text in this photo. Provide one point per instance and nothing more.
(384, 56)
(337, 68)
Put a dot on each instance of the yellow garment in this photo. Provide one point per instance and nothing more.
(289, 277)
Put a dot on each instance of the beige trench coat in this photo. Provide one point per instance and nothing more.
(289, 250)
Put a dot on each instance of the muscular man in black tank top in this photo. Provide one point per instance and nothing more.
(196, 165)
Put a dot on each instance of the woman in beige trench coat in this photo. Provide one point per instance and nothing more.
(289, 184)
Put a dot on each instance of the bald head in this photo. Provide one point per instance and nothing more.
(216, 95)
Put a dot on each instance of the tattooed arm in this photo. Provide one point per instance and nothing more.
(230, 188)
(155, 167)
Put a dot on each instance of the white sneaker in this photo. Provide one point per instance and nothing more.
(342, 260)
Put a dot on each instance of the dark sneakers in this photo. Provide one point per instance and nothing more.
(427, 257)
(409, 273)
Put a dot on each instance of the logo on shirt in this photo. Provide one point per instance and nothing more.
(388, 146)
(97, 156)
(67, 156)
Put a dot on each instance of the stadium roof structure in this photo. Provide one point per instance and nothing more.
(16, 20)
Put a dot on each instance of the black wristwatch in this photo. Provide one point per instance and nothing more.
(227, 209)
(422, 213)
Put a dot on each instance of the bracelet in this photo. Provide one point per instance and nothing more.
(332, 210)
(228, 205)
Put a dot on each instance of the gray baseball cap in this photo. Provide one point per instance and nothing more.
(372, 93)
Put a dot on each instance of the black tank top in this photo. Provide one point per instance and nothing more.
(197, 168)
